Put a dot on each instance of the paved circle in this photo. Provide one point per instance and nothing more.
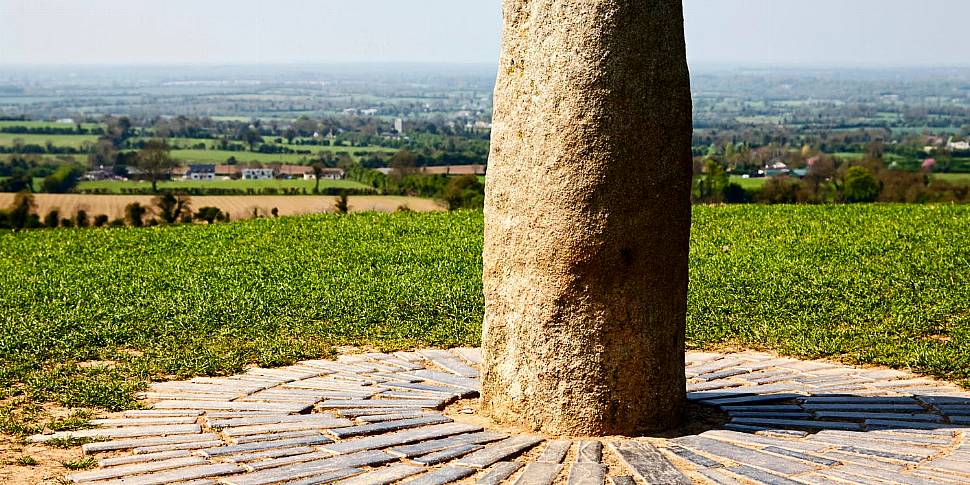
(377, 419)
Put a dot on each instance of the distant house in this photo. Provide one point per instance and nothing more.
(454, 170)
(293, 171)
(258, 174)
(99, 174)
(774, 169)
(958, 146)
(200, 172)
(328, 174)
(228, 171)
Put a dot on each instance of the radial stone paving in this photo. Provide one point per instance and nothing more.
(376, 419)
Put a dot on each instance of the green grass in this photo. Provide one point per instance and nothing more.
(749, 183)
(115, 186)
(876, 284)
(954, 178)
(44, 124)
(76, 141)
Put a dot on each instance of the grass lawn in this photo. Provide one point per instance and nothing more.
(115, 186)
(749, 183)
(877, 284)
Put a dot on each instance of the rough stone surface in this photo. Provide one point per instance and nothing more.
(587, 218)
(930, 446)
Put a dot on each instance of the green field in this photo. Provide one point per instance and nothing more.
(76, 141)
(44, 124)
(876, 284)
(116, 186)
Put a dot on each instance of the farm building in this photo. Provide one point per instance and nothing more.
(258, 174)
(200, 172)
(328, 174)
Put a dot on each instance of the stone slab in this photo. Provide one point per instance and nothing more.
(647, 463)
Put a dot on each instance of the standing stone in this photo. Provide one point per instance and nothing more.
(587, 218)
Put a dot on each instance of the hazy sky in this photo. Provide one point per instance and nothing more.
(831, 32)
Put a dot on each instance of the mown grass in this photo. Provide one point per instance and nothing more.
(87, 317)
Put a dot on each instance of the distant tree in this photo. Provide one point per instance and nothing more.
(251, 137)
(63, 180)
(100, 220)
(81, 218)
(860, 185)
(67, 222)
(20, 214)
(18, 181)
(52, 219)
(342, 204)
(712, 183)
(135, 214)
(119, 222)
(209, 214)
(290, 134)
(154, 160)
(403, 163)
(103, 153)
(464, 192)
(317, 175)
(275, 212)
(172, 207)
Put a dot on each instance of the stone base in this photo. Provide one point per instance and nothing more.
(375, 418)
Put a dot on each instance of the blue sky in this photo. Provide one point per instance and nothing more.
(791, 32)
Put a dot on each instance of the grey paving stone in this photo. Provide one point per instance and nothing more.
(746, 456)
(267, 454)
(135, 469)
(445, 378)
(134, 432)
(539, 474)
(761, 476)
(266, 445)
(430, 446)
(326, 477)
(720, 477)
(498, 473)
(386, 426)
(850, 399)
(385, 475)
(802, 456)
(446, 454)
(233, 406)
(893, 423)
(871, 408)
(159, 413)
(472, 355)
(378, 418)
(891, 416)
(252, 438)
(623, 480)
(125, 460)
(798, 423)
(402, 437)
(179, 475)
(91, 448)
(888, 455)
(441, 476)
(273, 419)
(586, 474)
(589, 452)
(554, 451)
(191, 445)
(383, 403)
(647, 463)
(699, 460)
(728, 401)
(499, 451)
(121, 423)
(357, 412)
(424, 386)
(747, 439)
(280, 427)
(310, 468)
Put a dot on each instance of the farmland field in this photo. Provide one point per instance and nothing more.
(238, 206)
(116, 186)
(43, 124)
(879, 284)
(76, 141)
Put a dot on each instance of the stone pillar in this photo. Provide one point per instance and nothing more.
(587, 218)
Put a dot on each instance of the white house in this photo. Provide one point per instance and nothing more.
(327, 174)
(958, 146)
(258, 174)
(200, 172)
